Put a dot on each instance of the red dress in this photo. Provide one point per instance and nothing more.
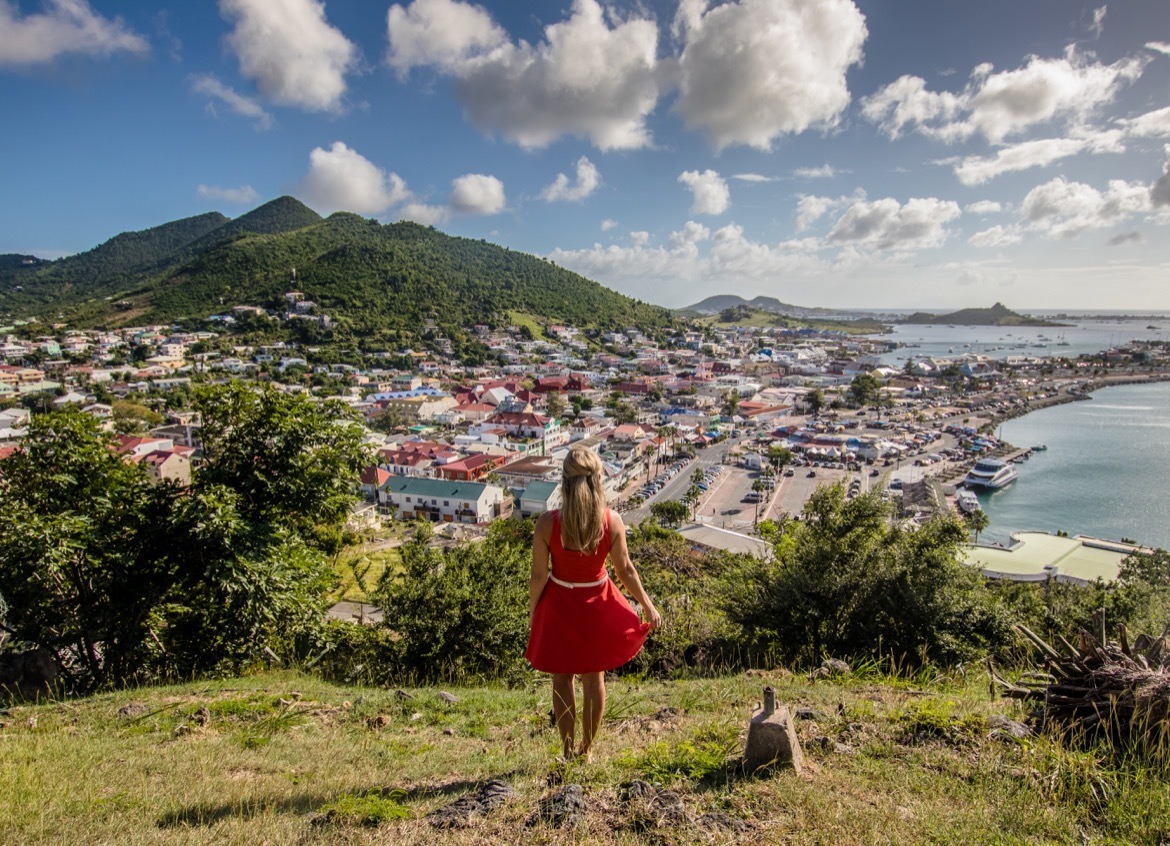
(584, 629)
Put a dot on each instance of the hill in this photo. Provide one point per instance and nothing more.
(997, 315)
(722, 302)
(282, 758)
(367, 277)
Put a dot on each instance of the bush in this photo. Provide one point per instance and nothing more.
(846, 581)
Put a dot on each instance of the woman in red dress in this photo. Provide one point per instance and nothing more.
(581, 624)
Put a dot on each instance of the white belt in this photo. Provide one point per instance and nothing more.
(571, 585)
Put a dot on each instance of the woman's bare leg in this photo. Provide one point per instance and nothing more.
(565, 709)
(592, 709)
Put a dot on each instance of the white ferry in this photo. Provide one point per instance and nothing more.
(967, 501)
(991, 473)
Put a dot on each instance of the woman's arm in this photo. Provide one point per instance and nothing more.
(540, 561)
(619, 554)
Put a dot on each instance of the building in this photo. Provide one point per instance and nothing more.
(439, 500)
(539, 497)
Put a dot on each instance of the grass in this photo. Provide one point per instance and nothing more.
(360, 568)
(281, 758)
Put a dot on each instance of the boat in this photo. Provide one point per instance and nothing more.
(1039, 448)
(992, 473)
(967, 501)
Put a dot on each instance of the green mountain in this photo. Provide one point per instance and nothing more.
(721, 302)
(370, 278)
(997, 315)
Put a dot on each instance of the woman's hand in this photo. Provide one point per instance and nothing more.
(652, 616)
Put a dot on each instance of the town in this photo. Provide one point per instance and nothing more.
(736, 425)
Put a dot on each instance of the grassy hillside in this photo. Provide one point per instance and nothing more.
(368, 277)
(997, 315)
(288, 759)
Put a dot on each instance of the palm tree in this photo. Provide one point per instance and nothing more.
(978, 521)
(759, 487)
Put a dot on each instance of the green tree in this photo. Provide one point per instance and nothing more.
(815, 400)
(847, 581)
(287, 458)
(977, 521)
(670, 513)
(461, 611)
(779, 456)
(555, 405)
(730, 404)
(864, 389)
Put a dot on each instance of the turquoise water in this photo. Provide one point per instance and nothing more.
(1084, 335)
(1106, 471)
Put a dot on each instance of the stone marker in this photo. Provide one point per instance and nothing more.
(771, 739)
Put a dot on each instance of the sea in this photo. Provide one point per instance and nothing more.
(1106, 472)
(1103, 474)
(1083, 336)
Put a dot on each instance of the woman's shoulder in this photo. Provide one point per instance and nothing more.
(544, 524)
(614, 521)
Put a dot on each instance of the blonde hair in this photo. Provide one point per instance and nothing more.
(583, 510)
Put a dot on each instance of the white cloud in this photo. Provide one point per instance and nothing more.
(608, 224)
(588, 179)
(423, 213)
(1155, 124)
(1098, 24)
(1160, 190)
(640, 238)
(906, 102)
(445, 33)
(342, 179)
(753, 177)
(245, 195)
(711, 195)
(999, 105)
(691, 233)
(984, 207)
(887, 224)
(211, 86)
(810, 208)
(996, 236)
(976, 170)
(1060, 208)
(1158, 47)
(65, 27)
(825, 171)
(477, 193)
(592, 75)
(290, 51)
(754, 70)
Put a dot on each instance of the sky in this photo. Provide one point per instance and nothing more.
(868, 154)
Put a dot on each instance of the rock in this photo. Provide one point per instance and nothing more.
(836, 667)
(28, 673)
(449, 732)
(565, 807)
(636, 789)
(717, 820)
(402, 694)
(132, 709)
(203, 716)
(1003, 728)
(458, 814)
(449, 698)
(809, 714)
(32, 723)
(378, 722)
(772, 742)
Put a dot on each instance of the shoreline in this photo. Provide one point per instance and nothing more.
(1078, 392)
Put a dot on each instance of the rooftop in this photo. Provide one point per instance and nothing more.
(1037, 556)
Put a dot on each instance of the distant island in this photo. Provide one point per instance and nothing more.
(997, 315)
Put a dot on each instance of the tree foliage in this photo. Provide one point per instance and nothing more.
(121, 580)
(461, 611)
(847, 581)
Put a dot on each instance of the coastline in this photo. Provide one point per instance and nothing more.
(1078, 392)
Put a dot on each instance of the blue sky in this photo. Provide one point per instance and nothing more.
(877, 153)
